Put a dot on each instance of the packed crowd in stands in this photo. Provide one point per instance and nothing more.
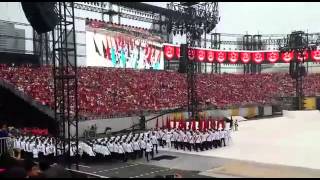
(108, 92)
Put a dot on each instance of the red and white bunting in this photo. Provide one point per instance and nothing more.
(233, 57)
(272, 57)
(315, 55)
(287, 56)
(210, 56)
(221, 56)
(168, 52)
(245, 57)
(191, 54)
(201, 55)
(257, 57)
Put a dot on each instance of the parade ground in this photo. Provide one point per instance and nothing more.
(271, 147)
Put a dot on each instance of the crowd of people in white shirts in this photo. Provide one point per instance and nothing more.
(127, 146)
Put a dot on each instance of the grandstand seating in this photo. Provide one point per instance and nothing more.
(108, 92)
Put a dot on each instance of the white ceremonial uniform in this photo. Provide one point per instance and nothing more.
(35, 153)
(39, 147)
(87, 149)
(216, 135)
(180, 137)
(221, 135)
(125, 147)
(158, 135)
(163, 135)
(23, 145)
(203, 138)
(46, 150)
(198, 138)
(191, 139)
(115, 148)
(120, 149)
(185, 138)
(207, 137)
(111, 147)
(149, 147)
(154, 139)
(30, 147)
(129, 148)
(143, 144)
(136, 146)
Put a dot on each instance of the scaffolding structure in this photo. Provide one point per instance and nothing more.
(64, 62)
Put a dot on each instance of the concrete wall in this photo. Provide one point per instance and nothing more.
(118, 124)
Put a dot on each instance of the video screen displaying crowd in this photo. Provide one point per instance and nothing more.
(107, 92)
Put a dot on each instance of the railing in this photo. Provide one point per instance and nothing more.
(6, 145)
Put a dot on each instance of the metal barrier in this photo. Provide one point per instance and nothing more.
(6, 145)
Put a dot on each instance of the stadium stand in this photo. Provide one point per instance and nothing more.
(107, 92)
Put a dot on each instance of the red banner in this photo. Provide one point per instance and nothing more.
(210, 56)
(221, 56)
(201, 55)
(287, 56)
(245, 57)
(272, 57)
(168, 52)
(257, 57)
(191, 54)
(306, 56)
(315, 55)
(233, 57)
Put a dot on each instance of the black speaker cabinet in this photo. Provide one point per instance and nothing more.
(41, 15)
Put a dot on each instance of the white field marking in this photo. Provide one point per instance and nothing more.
(83, 166)
(91, 174)
(106, 170)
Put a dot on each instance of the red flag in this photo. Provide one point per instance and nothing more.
(180, 123)
(168, 123)
(203, 125)
(193, 125)
(222, 122)
(207, 124)
(157, 124)
(108, 54)
(162, 122)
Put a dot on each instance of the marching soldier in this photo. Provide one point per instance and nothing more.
(236, 125)
(136, 148)
(154, 142)
(191, 141)
(143, 147)
(149, 150)
(197, 141)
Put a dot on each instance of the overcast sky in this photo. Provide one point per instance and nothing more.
(266, 17)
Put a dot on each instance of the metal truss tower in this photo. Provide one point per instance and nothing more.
(64, 62)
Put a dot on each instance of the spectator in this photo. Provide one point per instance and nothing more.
(4, 131)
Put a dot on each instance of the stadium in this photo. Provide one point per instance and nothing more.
(157, 90)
